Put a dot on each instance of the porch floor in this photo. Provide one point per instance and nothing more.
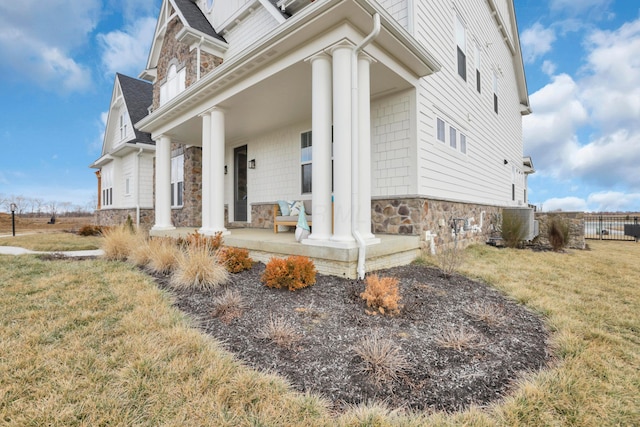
(263, 244)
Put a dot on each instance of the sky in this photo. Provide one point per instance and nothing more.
(582, 62)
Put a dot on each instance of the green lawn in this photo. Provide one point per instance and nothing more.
(91, 343)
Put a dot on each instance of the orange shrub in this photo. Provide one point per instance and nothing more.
(90, 230)
(235, 260)
(382, 293)
(295, 272)
(195, 240)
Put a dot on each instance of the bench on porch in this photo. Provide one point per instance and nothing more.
(290, 220)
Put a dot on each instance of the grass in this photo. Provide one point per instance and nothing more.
(58, 241)
(96, 343)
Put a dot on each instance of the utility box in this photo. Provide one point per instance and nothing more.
(527, 215)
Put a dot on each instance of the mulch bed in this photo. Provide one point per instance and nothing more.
(330, 320)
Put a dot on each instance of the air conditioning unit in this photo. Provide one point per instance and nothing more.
(531, 226)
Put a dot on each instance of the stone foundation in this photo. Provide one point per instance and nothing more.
(441, 222)
(119, 216)
(575, 220)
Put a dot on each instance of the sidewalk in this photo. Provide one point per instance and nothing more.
(13, 250)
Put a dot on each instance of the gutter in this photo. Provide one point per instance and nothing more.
(355, 144)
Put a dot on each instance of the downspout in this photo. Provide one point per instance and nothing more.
(355, 144)
(138, 188)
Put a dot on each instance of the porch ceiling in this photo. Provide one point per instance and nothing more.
(280, 100)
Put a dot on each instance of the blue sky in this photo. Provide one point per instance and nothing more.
(582, 59)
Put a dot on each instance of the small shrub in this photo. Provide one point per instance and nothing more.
(90, 230)
(117, 245)
(235, 260)
(228, 306)
(490, 314)
(129, 224)
(295, 272)
(512, 229)
(163, 254)
(195, 239)
(558, 233)
(458, 338)
(449, 260)
(382, 294)
(279, 331)
(197, 268)
(382, 359)
(140, 253)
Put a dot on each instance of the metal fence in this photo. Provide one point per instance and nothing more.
(608, 227)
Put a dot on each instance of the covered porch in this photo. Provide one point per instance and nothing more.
(263, 245)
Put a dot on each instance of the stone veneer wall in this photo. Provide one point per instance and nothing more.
(419, 215)
(173, 49)
(119, 216)
(190, 215)
(415, 216)
(575, 220)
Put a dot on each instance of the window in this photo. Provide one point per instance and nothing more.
(123, 124)
(107, 186)
(478, 81)
(463, 143)
(127, 186)
(495, 92)
(461, 48)
(452, 137)
(305, 161)
(174, 84)
(440, 130)
(177, 181)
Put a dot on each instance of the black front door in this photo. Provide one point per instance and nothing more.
(240, 184)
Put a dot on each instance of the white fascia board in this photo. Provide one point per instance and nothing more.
(101, 161)
(194, 38)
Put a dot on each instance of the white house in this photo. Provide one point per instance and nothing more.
(391, 116)
(125, 167)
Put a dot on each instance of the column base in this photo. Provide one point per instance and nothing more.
(158, 227)
(213, 231)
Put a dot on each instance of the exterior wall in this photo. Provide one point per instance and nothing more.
(481, 176)
(575, 220)
(190, 214)
(399, 9)
(119, 216)
(250, 30)
(146, 180)
(127, 171)
(172, 49)
(223, 10)
(392, 149)
(419, 216)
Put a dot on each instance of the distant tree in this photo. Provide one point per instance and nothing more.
(52, 207)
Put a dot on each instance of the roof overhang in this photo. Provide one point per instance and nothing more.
(527, 164)
(122, 150)
(197, 39)
(294, 41)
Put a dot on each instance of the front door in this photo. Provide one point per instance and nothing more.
(240, 184)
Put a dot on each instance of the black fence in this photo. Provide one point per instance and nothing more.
(608, 227)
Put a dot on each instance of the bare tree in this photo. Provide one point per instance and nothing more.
(52, 207)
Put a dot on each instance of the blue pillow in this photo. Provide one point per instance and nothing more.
(284, 207)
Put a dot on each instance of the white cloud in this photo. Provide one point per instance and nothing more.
(126, 51)
(549, 67)
(588, 129)
(613, 201)
(575, 7)
(566, 204)
(536, 41)
(34, 48)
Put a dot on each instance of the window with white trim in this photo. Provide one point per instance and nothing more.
(127, 186)
(461, 48)
(306, 159)
(174, 84)
(495, 92)
(478, 80)
(107, 187)
(124, 120)
(452, 137)
(440, 125)
(463, 143)
(177, 181)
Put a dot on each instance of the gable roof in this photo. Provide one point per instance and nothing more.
(194, 18)
(138, 97)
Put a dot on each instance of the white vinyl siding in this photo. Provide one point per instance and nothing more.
(461, 48)
(479, 175)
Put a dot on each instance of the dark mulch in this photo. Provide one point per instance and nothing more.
(330, 320)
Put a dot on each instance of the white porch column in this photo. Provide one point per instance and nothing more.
(206, 174)
(321, 147)
(342, 143)
(364, 147)
(163, 184)
(216, 172)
